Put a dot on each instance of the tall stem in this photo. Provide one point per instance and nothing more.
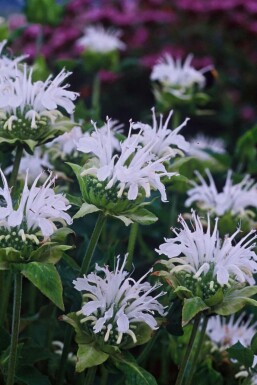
(16, 166)
(15, 328)
(92, 244)
(182, 370)
(131, 245)
(198, 348)
(90, 376)
(83, 270)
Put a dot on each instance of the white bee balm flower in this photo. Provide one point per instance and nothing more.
(101, 40)
(177, 78)
(116, 303)
(166, 141)
(134, 169)
(38, 210)
(198, 252)
(234, 198)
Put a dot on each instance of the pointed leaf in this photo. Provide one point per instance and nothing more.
(134, 374)
(89, 356)
(124, 219)
(77, 171)
(86, 209)
(142, 216)
(235, 300)
(46, 278)
(191, 307)
(215, 299)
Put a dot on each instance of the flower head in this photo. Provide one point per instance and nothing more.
(66, 144)
(29, 110)
(177, 78)
(205, 255)
(100, 40)
(234, 198)
(166, 141)
(225, 334)
(36, 214)
(115, 304)
(8, 66)
(201, 146)
(134, 170)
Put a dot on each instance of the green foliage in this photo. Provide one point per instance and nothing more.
(242, 354)
(46, 12)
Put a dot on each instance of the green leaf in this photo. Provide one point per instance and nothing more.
(142, 216)
(74, 320)
(46, 278)
(234, 300)
(215, 299)
(77, 171)
(86, 209)
(134, 374)
(183, 291)
(74, 200)
(191, 308)
(124, 219)
(143, 334)
(89, 356)
(49, 253)
(8, 255)
(239, 352)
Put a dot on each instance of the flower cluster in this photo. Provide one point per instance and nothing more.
(137, 168)
(115, 304)
(100, 40)
(176, 78)
(35, 216)
(234, 198)
(208, 259)
(202, 147)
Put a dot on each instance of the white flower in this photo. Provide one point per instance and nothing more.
(135, 168)
(117, 303)
(66, 144)
(177, 78)
(35, 163)
(203, 252)
(20, 96)
(201, 146)
(234, 198)
(39, 209)
(8, 67)
(225, 334)
(101, 40)
(164, 139)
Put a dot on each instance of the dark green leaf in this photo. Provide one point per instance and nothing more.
(191, 307)
(89, 356)
(46, 278)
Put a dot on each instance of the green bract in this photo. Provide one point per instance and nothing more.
(95, 197)
(204, 294)
(22, 133)
(92, 350)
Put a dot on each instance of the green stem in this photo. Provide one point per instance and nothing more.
(143, 355)
(183, 366)
(90, 376)
(131, 245)
(96, 96)
(104, 375)
(92, 244)
(15, 328)
(83, 270)
(198, 349)
(16, 166)
(5, 280)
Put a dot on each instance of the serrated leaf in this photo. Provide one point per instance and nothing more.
(46, 278)
(134, 374)
(88, 356)
(86, 209)
(235, 300)
(239, 352)
(191, 308)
